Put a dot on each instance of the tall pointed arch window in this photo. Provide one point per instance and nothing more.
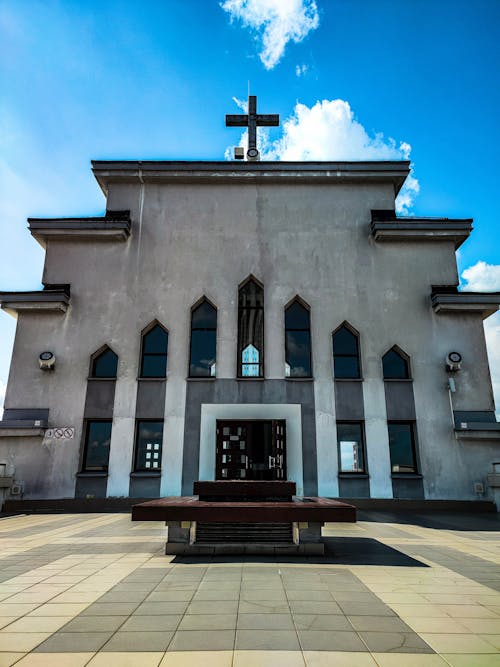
(251, 329)
(203, 340)
(154, 352)
(104, 364)
(396, 365)
(297, 340)
(346, 362)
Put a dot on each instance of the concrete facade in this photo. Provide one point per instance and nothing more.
(200, 230)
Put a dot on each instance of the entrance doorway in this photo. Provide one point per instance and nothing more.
(252, 449)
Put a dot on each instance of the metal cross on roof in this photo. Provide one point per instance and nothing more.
(251, 120)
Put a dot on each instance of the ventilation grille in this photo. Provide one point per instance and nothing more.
(245, 533)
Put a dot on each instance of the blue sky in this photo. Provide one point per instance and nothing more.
(153, 79)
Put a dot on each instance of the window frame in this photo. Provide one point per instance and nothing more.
(353, 473)
(136, 469)
(240, 347)
(356, 334)
(297, 299)
(405, 357)
(142, 353)
(199, 303)
(413, 432)
(93, 359)
(86, 429)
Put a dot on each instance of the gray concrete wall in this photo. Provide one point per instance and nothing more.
(188, 241)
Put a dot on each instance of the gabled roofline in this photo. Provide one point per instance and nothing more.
(158, 171)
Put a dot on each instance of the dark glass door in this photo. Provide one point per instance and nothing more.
(253, 450)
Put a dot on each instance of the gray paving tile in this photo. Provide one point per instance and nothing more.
(326, 640)
(263, 607)
(154, 608)
(110, 609)
(357, 608)
(355, 596)
(379, 624)
(124, 596)
(94, 624)
(313, 607)
(267, 640)
(138, 641)
(202, 640)
(258, 595)
(265, 622)
(208, 594)
(395, 642)
(304, 594)
(73, 642)
(322, 622)
(169, 596)
(152, 623)
(208, 622)
(210, 607)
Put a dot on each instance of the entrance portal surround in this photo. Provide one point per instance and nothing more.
(210, 412)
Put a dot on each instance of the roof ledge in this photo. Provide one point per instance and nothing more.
(114, 226)
(448, 300)
(54, 299)
(387, 227)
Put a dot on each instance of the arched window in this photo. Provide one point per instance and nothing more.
(297, 340)
(251, 329)
(104, 364)
(154, 352)
(203, 340)
(396, 365)
(346, 361)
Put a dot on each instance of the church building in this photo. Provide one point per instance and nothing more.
(249, 320)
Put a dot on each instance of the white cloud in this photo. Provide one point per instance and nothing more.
(277, 22)
(483, 277)
(301, 70)
(329, 131)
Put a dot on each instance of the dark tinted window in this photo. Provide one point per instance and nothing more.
(97, 439)
(297, 341)
(351, 449)
(402, 447)
(395, 366)
(148, 446)
(250, 330)
(154, 353)
(105, 365)
(203, 341)
(345, 354)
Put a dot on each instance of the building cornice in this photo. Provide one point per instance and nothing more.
(393, 229)
(134, 171)
(450, 301)
(40, 301)
(114, 226)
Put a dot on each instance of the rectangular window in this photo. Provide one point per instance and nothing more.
(402, 446)
(96, 449)
(148, 446)
(351, 447)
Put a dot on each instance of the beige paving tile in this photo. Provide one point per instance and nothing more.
(268, 659)
(54, 609)
(419, 610)
(482, 625)
(21, 641)
(8, 659)
(198, 659)
(110, 659)
(409, 660)
(468, 611)
(492, 639)
(471, 660)
(17, 609)
(55, 660)
(7, 620)
(440, 625)
(445, 643)
(38, 624)
(339, 659)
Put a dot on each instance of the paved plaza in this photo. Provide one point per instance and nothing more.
(393, 591)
